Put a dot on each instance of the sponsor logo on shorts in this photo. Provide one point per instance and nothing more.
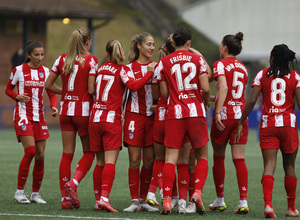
(24, 127)
(44, 127)
(131, 135)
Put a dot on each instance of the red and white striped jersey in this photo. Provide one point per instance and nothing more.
(236, 77)
(111, 80)
(140, 101)
(161, 110)
(31, 81)
(278, 98)
(181, 70)
(75, 99)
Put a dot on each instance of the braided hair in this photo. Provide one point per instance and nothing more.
(283, 57)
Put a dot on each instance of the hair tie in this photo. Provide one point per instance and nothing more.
(79, 31)
(161, 48)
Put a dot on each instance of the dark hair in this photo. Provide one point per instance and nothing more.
(181, 36)
(166, 48)
(282, 58)
(31, 45)
(233, 43)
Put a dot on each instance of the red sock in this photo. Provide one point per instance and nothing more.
(38, 174)
(97, 180)
(24, 166)
(201, 171)
(84, 165)
(108, 176)
(153, 184)
(192, 185)
(65, 172)
(290, 184)
(168, 179)
(159, 167)
(183, 180)
(242, 177)
(174, 188)
(267, 184)
(134, 182)
(145, 177)
(219, 175)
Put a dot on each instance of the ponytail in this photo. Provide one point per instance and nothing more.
(134, 50)
(76, 47)
(116, 52)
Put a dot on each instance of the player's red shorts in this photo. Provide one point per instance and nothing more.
(194, 128)
(75, 123)
(39, 130)
(159, 132)
(283, 138)
(228, 134)
(105, 136)
(138, 130)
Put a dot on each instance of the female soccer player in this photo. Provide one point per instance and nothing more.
(278, 85)
(75, 67)
(138, 123)
(231, 78)
(105, 122)
(29, 118)
(181, 73)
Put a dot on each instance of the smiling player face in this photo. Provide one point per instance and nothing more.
(147, 47)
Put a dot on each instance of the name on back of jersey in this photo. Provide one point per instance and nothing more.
(235, 65)
(109, 68)
(180, 58)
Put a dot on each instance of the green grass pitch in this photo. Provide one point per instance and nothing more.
(12, 152)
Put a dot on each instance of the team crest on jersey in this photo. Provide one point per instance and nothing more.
(131, 135)
(24, 127)
(42, 75)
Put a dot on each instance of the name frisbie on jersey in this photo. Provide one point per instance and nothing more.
(180, 58)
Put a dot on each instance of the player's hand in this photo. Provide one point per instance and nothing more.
(238, 133)
(54, 111)
(219, 123)
(151, 66)
(153, 107)
(23, 97)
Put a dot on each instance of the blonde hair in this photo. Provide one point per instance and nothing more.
(76, 47)
(134, 52)
(116, 52)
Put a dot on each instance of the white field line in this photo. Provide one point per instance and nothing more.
(64, 216)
